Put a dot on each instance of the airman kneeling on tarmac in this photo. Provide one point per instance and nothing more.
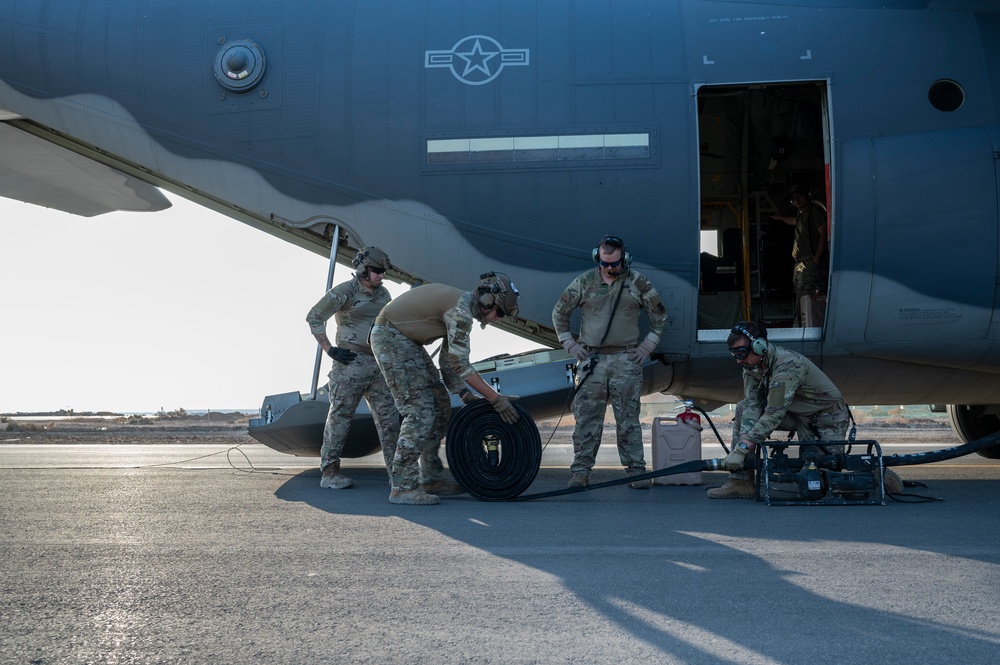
(782, 390)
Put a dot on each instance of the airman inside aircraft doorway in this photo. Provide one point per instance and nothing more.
(756, 143)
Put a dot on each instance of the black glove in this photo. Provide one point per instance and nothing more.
(345, 356)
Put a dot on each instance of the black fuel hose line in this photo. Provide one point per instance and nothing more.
(944, 454)
(750, 463)
(504, 473)
(712, 425)
(686, 467)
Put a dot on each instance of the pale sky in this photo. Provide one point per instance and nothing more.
(134, 312)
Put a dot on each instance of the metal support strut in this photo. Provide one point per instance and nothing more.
(329, 285)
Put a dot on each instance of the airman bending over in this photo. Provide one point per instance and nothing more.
(404, 326)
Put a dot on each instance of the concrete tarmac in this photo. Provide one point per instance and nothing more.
(198, 554)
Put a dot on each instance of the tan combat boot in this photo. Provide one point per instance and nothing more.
(578, 479)
(639, 484)
(893, 484)
(735, 488)
(334, 479)
(442, 487)
(412, 498)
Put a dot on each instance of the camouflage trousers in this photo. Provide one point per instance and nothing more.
(828, 425)
(421, 399)
(348, 383)
(807, 279)
(613, 379)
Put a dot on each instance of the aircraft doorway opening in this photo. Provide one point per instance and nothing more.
(761, 145)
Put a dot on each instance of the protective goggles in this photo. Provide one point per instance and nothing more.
(740, 352)
(610, 264)
(376, 270)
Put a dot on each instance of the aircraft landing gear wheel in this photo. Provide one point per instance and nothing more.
(971, 422)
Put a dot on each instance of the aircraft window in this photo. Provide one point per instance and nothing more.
(710, 242)
(946, 95)
(513, 150)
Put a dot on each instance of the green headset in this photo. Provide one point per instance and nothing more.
(757, 344)
(614, 241)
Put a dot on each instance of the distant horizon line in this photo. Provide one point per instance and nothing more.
(74, 412)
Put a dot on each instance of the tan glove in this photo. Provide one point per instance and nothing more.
(468, 397)
(503, 405)
(642, 352)
(575, 349)
(734, 460)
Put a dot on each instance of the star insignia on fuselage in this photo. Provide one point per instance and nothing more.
(476, 59)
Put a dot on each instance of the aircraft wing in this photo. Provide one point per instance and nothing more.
(37, 171)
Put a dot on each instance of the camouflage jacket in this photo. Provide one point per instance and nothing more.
(355, 310)
(596, 300)
(791, 384)
(455, 350)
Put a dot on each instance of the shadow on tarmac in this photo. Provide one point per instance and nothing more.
(706, 580)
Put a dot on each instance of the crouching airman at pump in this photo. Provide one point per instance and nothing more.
(782, 390)
(355, 304)
(610, 298)
(416, 318)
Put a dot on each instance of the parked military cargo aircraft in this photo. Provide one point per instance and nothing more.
(510, 135)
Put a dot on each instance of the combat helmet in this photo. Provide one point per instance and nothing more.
(368, 257)
(497, 290)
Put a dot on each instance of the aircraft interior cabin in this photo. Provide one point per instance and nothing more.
(757, 142)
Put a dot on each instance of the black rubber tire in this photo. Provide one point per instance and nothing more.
(971, 423)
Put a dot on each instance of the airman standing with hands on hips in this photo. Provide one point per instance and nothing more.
(355, 304)
(610, 357)
(416, 318)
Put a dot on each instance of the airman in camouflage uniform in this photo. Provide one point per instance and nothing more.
(610, 358)
(416, 318)
(810, 249)
(354, 374)
(782, 390)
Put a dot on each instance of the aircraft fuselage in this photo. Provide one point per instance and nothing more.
(510, 136)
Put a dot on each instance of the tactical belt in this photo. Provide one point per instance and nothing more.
(608, 350)
(366, 350)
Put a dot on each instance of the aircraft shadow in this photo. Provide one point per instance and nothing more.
(706, 580)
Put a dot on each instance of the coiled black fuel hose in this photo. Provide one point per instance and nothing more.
(491, 460)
